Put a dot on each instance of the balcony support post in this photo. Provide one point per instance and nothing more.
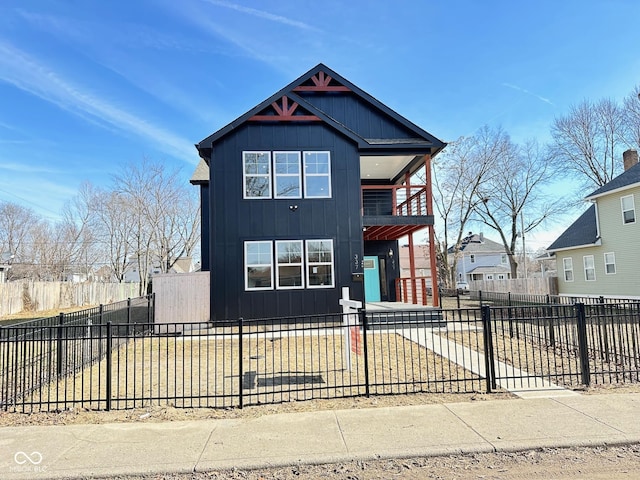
(435, 296)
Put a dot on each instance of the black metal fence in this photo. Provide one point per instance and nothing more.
(137, 363)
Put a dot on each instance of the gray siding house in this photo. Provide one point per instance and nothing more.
(598, 254)
(480, 259)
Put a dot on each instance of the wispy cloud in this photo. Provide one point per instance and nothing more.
(28, 74)
(25, 168)
(264, 15)
(523, 90)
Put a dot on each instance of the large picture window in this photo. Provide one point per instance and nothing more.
(317, 175)
(567, 264)
(258, 265)
(319, 263)
(589, 268)
(628, 209)
(288, 181)
(289, 264)
(256, 174)
(295, 265)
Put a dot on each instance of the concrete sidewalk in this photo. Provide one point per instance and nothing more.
(318, 437)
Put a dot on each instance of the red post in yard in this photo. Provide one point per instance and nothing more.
(432, 237)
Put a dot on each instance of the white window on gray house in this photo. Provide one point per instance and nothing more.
(319, 263)
(589, 268)
(489, 276)
(504, 259)
(628, 209)
(567, 265)
(502, 276)
(472, 258)
(287, 176)
(256, 174)
(610, 263)
(317, 175)
(258, 266)
(289, 264)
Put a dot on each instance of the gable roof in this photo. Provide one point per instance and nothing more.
(322, 77)
(581, 233)
(478, 243)
(626, 179)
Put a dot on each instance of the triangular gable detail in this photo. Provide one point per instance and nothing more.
(284, 109)
(319, 79)
(321, 82)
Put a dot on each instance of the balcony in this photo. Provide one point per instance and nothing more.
(390, 212)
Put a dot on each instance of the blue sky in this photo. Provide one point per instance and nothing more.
(87, 86)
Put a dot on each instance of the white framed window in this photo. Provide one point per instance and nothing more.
(317, 175)
(287, 175)
(504, 259)
(319, 263)
(628, 209)
(258, 265)
(502, 276)
(256, 174)
(472, 258)
(610, 263)
(489, 276)
(289, 264)
(589, 268)
(567, 265)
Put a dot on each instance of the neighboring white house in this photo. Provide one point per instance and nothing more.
(598, 254)
(480, 259)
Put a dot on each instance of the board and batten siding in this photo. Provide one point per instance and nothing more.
(623, 240)
(235, 220)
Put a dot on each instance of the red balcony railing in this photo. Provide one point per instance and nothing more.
(413, 290)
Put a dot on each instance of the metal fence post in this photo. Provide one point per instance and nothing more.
(480, 297)
(365, 350)
(488, 348)
(128, 316)
(60, 332)
(109, 366)
(240, 366)
(581, 318)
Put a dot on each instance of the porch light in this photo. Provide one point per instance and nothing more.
(391, 252)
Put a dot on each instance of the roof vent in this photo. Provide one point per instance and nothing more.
(629, 159)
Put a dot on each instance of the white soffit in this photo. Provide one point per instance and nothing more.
(383, 167)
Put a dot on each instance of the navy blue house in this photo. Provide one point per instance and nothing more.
(307, 193)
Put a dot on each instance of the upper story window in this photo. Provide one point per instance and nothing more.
(472, 258)
(610, 263)
(504, 259)
(628, 209)
(567, 265)
(589, 268)
(286, 174)
(317, 175)
(256, 174)
(287, 178)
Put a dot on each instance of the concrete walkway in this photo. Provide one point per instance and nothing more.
(512, 379)
(77, 451)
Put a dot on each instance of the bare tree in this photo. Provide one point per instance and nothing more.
(163, 213)
(16, 227)
(523, 170)
(588, 141)
(631, 110)
(459, 176)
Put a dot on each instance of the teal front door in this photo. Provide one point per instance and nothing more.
(371, 279)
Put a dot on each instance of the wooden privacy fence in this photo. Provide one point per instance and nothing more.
(181, 298)
(527, 286)
(19, 296)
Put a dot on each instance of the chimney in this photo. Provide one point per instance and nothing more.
(629, 159)
(481, 237)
